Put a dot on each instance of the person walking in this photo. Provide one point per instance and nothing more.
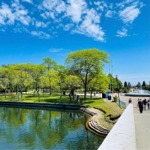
(140, 104)
(130, 100)
(148, 104)
(144, 104)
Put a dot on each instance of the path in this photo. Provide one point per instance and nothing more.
(142, 124)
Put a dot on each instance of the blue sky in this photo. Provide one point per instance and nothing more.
(31, 30)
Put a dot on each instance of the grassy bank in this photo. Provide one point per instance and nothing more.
(111, 110)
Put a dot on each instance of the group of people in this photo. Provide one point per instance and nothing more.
(143, 104)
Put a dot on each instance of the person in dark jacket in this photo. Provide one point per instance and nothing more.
(144, 104)
(140, 104)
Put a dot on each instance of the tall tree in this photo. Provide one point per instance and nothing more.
(61, 78)
(86, 64)
(129, 85)
(144, 85)
(138, 85)
(36, 72)
(125, 84)
(72, 82)
(50, 65)
(99, 83)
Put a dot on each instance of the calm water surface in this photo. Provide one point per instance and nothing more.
(45, 129)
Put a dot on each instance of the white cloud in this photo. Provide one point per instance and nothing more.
(109, 14)
(40, 34)
(6, 15)
(68, 27)
(28, 1)
(76, 9)
(55, 50)
(122, 33)
(15, 12)
(90, 26)
(130, 13)
(52, 8)
(101, 5)
(124, 3)
(21, 14)
(40, 24)
(75, 16)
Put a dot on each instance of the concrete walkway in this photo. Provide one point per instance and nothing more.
(142, 124)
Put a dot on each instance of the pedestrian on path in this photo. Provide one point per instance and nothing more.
(130, 100)
(140, 104)
(148, 104)
(144, 104)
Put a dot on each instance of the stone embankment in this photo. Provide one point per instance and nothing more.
(93, 123)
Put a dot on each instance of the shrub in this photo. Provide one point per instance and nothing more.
(115, 98)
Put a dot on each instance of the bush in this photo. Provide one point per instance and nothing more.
(115, 98)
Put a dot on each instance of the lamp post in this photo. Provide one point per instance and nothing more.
(118, 89)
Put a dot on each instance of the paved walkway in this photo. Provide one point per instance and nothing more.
(142, 124)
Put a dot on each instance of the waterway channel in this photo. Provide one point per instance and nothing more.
(22, 128)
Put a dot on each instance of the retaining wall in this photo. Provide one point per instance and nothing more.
(40, 105)
(122, 135)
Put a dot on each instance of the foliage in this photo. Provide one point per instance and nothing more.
(86, 64)
(115, 98)
(115, 84)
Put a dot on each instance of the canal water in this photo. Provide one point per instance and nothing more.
(45, 129)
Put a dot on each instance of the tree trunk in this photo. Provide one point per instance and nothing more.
(85, 90)
(91, 93)
(5, 93)
(38, 94)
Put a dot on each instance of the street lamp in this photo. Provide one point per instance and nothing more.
(118, 88)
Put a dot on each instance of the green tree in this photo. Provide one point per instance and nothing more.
(99, 83)
(138, 85)
(36, 72)
(61, 78)
(50, 66)
(144, 85)
(125, 84)
(86, 64)
(72, 82)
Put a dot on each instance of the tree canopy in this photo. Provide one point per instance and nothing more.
(86, 64)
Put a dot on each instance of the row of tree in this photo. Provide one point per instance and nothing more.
(83, 69)
(127, 86)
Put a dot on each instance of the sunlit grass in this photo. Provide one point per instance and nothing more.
(108, 107)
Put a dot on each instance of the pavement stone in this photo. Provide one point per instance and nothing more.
(142, 123)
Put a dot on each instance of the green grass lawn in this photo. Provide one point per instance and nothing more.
(110, 108)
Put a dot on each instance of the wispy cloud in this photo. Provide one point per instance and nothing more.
(56, 50)
(122, 33)
(74, 16)
(76, 9)
(90, 26)
(40, 34)
(130, 13)
(28, 1)
(14, 13)
(109, 14)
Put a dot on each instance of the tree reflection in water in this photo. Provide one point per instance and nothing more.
(45, 129)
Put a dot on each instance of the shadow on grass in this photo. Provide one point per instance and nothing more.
(88, 102)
